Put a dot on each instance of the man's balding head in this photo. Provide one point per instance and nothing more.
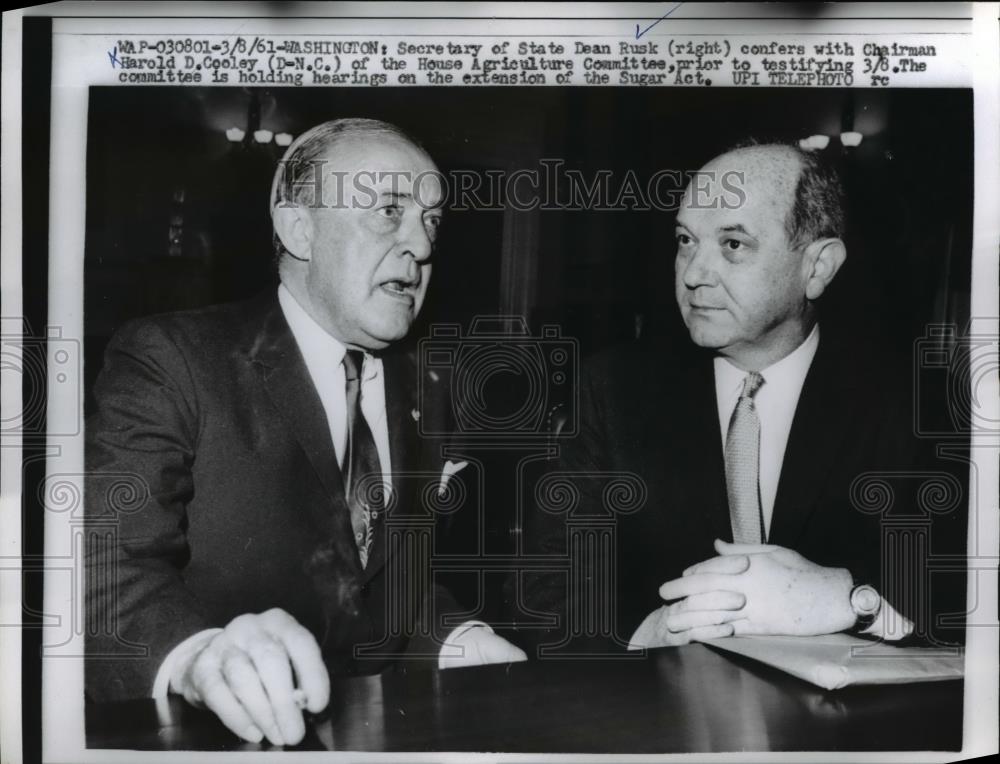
(816, 208)
(748, 271)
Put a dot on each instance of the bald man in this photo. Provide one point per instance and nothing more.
(749, 448)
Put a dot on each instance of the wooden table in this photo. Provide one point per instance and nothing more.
(677, 699)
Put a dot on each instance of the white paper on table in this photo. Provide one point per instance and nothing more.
(837, 660)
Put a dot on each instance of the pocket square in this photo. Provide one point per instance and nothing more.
(450, 468)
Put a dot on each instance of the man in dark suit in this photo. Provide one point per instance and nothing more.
(275, 448)
(758, 452)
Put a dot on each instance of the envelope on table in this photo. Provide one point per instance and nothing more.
(837, 660)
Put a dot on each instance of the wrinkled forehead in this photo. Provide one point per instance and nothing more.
(385, 164)
(376, 152)
(358, 171)
(752, 182)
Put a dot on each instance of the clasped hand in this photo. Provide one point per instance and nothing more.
(749, 589)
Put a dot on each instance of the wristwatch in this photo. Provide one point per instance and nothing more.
(866, 604)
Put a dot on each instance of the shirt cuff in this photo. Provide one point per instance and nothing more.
(889, 624)
(459, 641)
(161, 685)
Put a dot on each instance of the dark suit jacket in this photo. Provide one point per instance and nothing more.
(850, 485)
(213, 490)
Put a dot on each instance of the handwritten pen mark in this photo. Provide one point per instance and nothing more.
(639, 34)
(113, 55)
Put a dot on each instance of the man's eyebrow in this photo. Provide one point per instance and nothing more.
(399, 196)
(405, 195)
(736, 228)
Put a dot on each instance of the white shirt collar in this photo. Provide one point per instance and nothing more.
(789, 373)
(313, 340)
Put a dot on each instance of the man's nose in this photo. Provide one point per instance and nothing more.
(416, 240)
(698, 270)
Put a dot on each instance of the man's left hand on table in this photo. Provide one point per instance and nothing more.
(783, 592)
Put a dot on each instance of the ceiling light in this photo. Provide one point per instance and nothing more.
(814, 142)
(851, 138)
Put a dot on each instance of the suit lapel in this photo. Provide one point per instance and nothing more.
(400, 403)
(708, 473)
(283, 372)
(688, 421)
(823, 419)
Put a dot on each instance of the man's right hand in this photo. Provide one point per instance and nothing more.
(245, 675)
(694, 619)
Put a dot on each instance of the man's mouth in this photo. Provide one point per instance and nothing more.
(400, 289)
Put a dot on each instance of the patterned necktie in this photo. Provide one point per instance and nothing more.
(362, 470)
(743, 465)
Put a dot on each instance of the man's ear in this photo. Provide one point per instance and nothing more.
(822, 260)
(294, 226)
